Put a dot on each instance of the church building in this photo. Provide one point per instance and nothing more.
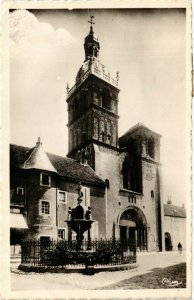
(121, 176)
(129, 165)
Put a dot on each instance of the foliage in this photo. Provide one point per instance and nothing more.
(62, 253)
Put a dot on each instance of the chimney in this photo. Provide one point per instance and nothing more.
(38, 142)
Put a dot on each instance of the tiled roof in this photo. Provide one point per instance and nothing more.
(64, 166)
(174, 211)
(139, 126)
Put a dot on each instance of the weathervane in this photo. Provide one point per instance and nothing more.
(91, 21)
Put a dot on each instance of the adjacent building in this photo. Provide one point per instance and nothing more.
(174, 226)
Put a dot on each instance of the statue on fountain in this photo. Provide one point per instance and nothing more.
(80, 193)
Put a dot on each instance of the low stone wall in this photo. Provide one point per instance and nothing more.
(86, 270)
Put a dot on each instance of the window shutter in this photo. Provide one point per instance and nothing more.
(62, 196)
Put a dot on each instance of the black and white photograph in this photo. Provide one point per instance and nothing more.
(99, 150)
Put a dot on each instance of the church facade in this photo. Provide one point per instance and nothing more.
(129, 165)
(121, 176)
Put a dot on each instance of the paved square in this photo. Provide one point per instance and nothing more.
(37, 281)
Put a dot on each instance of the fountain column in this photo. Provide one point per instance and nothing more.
(88, 217)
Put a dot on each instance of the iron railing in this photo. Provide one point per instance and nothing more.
(66, 253)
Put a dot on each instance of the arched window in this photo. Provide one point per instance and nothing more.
(83, 99)
(109, 131)
(95, 52)
(95, 127)
(152, 194)
(95, 97)
(76, 107)
(74, 137)
(108, 138)
(88, 127)
(102, 129)
(70, 139)
(84, 131)
(106, 99)
(114, 104)
(79, 134)
(90, 51)
(103, 136)
(151, 148)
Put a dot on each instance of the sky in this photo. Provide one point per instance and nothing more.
(146, 46)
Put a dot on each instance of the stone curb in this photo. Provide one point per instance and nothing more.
(90, 270)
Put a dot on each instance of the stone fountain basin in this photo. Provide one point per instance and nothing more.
(80, 225)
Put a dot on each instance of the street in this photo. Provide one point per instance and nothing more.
(40, 281)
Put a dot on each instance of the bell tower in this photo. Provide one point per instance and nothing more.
(92, 106)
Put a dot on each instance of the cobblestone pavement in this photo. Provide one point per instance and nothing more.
(39, 281)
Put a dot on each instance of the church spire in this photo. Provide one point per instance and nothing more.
(91, 45)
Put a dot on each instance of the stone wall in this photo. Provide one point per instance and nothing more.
(108, 166)
(150, 208)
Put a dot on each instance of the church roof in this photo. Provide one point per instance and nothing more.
(64, 166)
(174, 211)
(139, 126)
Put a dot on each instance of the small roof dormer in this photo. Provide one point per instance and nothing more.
(38, 159)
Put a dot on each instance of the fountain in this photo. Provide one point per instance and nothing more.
(80, 220)
(70, 254)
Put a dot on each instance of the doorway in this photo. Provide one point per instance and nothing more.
(133, 227)
(132, 234)
(128, 233)
(168, 242)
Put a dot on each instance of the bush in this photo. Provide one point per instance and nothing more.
(61, 253)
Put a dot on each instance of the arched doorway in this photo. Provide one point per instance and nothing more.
(168, 242)
(133, 227)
